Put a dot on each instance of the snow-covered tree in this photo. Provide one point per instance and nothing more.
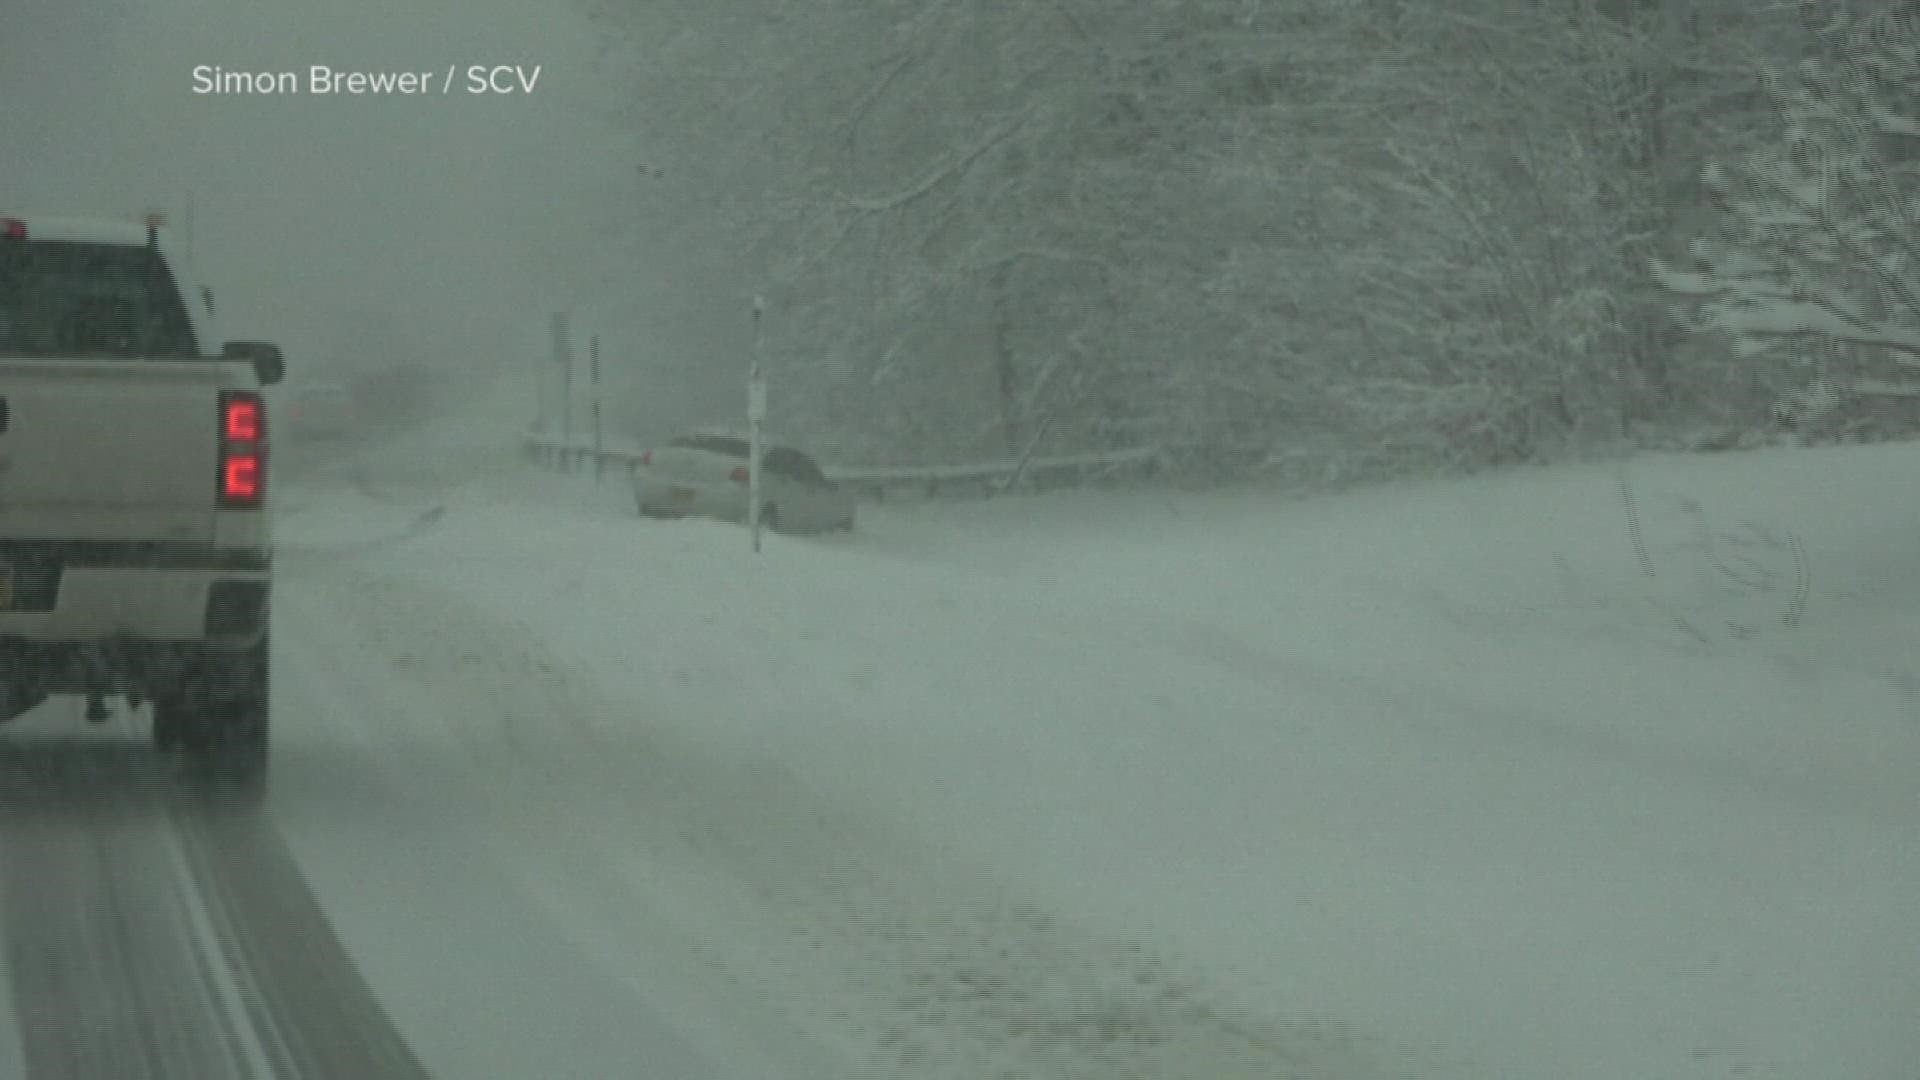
(1814, 270)
(1364, 236)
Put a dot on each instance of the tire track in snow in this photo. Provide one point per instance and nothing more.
(273, 933)
(105, 973)
(152, 934)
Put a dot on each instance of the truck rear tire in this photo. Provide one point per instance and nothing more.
(231, 750)
(170, 721)
(223, 735)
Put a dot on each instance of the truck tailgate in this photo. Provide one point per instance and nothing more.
(109, 449)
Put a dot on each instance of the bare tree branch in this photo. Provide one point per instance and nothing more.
(876, 204)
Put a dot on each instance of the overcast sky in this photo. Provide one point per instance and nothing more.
(460, 218)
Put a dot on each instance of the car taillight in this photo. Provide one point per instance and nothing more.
(13, 229)
(739, 474)
(243, 448)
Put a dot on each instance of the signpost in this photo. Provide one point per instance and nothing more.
(756, 412)
(541, 393)
(563, 356)
(599, 441)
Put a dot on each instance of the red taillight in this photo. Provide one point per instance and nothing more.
(739, 474)
(243, 450)
(243, 420)
(13, 229)
(240, 480)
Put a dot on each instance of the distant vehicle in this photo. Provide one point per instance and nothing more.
(705, 475)
(320, 411)
(136, 548)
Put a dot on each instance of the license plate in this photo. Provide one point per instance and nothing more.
(682, 495)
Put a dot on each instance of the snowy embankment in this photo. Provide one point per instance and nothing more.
(1467, 779)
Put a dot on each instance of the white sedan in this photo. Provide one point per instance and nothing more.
(705, 475)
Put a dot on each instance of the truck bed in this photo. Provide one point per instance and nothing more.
(115, 449)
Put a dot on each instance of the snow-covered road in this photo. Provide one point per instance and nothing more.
(1427, 781)
(1435, 781)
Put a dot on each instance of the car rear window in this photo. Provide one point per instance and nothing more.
(72, 299)
(787, 461)
(779, 460)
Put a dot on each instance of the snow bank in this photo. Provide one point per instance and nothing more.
(1594, 772)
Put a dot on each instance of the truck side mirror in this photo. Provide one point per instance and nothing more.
(269, 366)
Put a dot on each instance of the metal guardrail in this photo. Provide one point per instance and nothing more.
(878, 482)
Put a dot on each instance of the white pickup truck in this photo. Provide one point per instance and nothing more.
(136, 550)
